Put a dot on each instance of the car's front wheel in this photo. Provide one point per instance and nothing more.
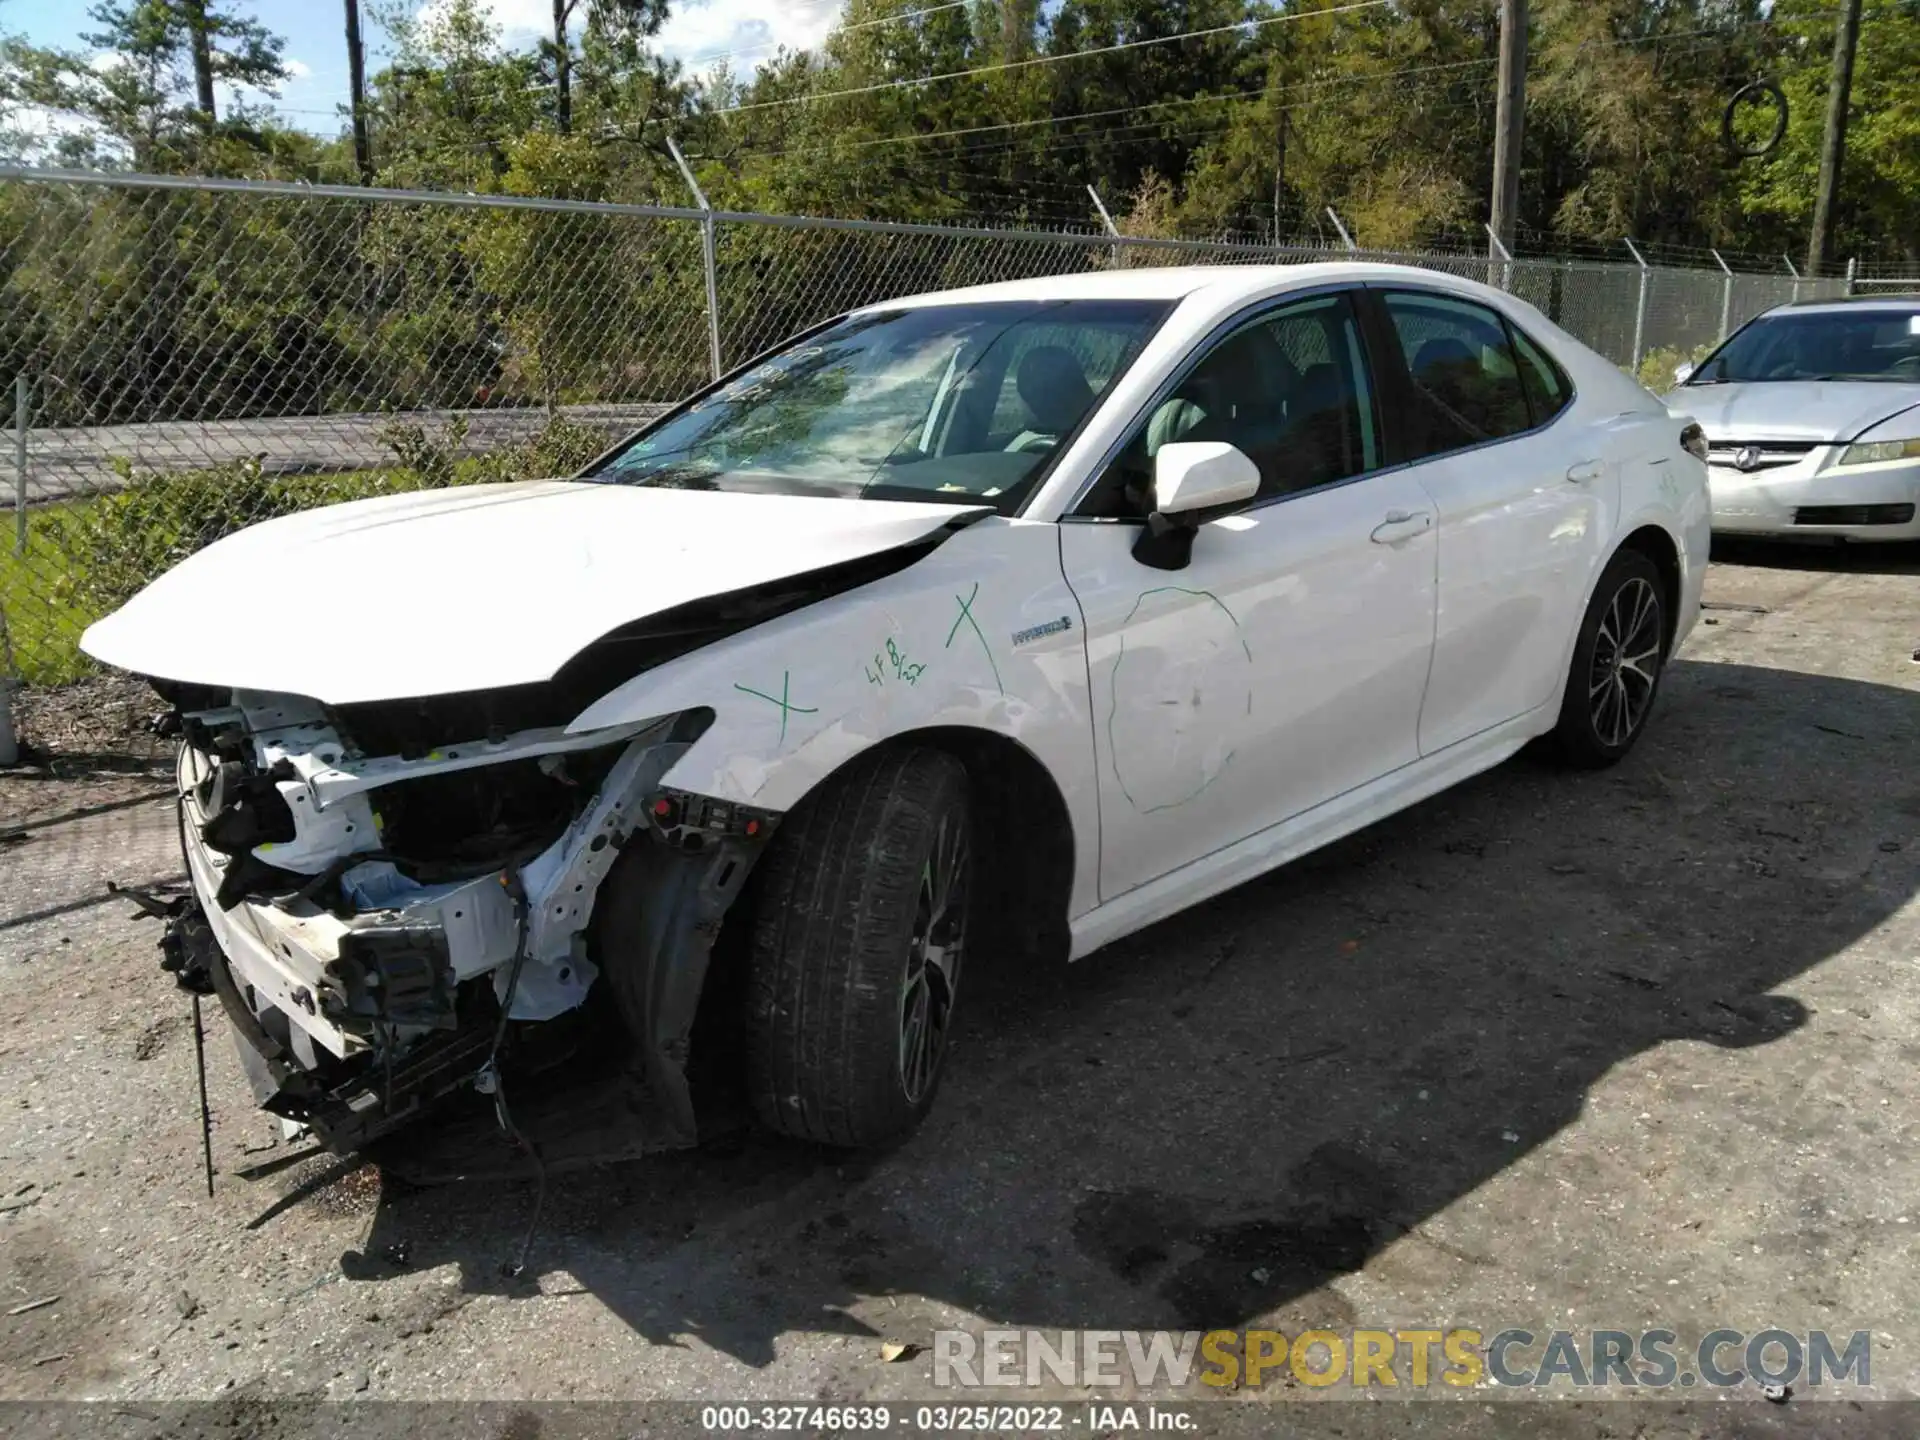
(859, 930)
(1617, 662)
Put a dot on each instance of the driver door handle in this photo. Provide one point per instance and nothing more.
(1585, 471)
(1401, 525)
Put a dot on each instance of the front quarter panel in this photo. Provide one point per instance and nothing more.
(982, 634)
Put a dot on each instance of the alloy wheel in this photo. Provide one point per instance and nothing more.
(933, 959)
(1626, 663)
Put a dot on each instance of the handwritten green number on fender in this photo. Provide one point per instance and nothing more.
(894, 664)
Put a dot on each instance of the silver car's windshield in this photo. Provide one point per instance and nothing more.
(962, 403)
(1870, 343)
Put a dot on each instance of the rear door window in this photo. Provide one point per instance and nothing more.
(1465, 377)
(1549, 391)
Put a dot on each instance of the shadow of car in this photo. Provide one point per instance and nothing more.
(1217, 1117)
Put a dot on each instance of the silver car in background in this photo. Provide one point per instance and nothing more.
(1812, 414)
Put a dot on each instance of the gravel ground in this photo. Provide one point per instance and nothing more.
(1622, 1050)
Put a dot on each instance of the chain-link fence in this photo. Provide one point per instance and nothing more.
(184, 357)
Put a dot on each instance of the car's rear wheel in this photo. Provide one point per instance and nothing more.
(859, 929)
(1617, 663)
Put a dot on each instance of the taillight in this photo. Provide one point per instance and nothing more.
(1693, 440)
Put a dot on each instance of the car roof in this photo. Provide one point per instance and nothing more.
(1850, 305)
(1166, 283)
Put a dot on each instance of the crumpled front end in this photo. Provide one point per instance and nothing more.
(381, 901)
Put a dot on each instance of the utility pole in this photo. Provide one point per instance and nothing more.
(1833, 148)
(1279, 174)
(1510, 114)
(357, 94)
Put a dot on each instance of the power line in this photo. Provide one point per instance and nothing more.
(1208, 129)
(1005, 65)
(1130, 109)
(1256, 91)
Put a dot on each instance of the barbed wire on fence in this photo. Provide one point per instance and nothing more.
(180, 357)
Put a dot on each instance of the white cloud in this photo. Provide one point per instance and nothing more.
(697, 33)
(298, 69)
(31, 132)
(749, 32)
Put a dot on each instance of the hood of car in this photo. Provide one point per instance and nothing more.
(1817, 410)
(474, 588)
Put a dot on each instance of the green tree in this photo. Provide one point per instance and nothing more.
(1880, 184)
(151, 99)
(610, 20)
(224, 47)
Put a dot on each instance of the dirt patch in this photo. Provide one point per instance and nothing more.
(103, 715)
(85, 746)
(56, 1348)
(153, 1038)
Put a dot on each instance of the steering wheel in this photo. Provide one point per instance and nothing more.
(1031, 443)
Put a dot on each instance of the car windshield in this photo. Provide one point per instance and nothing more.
(1864, 344)
(958, 403)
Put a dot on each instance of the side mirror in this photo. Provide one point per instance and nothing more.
(1682, 372)
(1190, 479)
(1191, 475)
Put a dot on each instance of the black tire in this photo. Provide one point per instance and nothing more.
(1618, 660)
(852, 934)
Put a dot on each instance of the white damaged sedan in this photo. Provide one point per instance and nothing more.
(981, 625)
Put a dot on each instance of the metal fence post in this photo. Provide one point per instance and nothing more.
(1794, 271)
(1639, 306)
(1853, 271)
(1345, 238)
(1726, 293)
(21, 398)
(1106, 220)
(708, 256)
(9, 681)
(9, 740)
(1506, 258)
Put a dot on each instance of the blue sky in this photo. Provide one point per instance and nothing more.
(698, 32)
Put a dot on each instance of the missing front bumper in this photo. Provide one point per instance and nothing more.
(347, 1104)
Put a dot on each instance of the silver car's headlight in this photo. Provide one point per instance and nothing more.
(1881, 450)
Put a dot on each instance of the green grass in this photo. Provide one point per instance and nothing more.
(86, 558)
(43, 630)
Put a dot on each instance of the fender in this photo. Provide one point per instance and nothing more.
(1678, 512)
(981, 634)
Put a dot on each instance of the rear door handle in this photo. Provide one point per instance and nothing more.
(1585, 472)
(1401, 525)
